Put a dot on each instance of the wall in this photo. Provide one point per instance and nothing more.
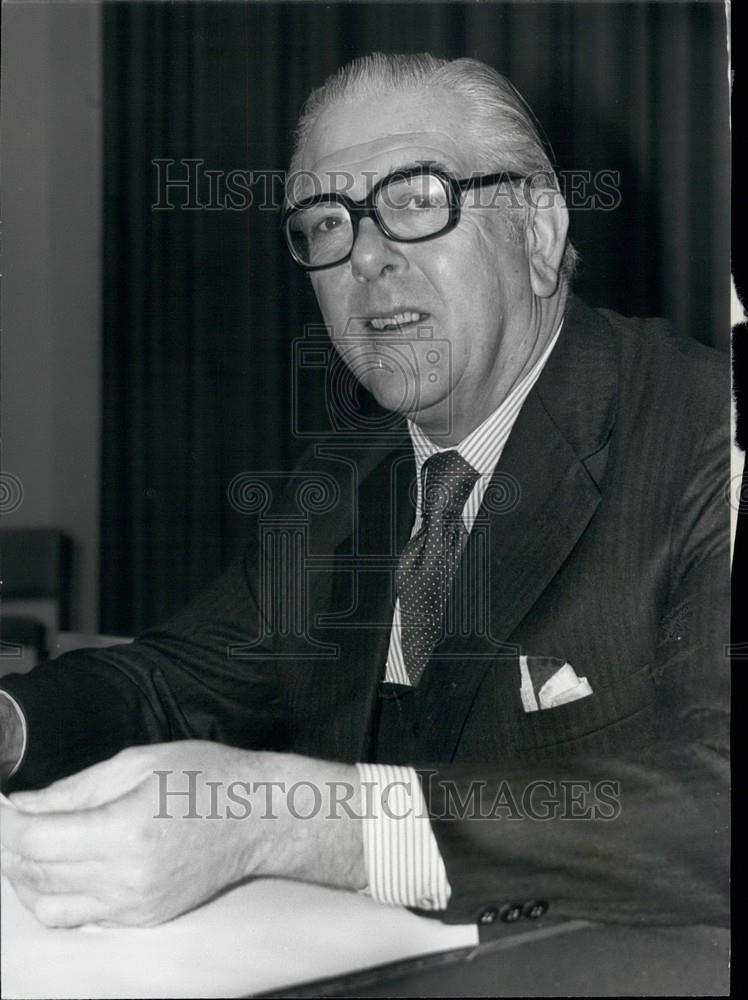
(50, 312)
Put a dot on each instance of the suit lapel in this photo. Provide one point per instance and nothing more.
(542, 496)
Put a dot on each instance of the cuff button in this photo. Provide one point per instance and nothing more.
(510, 912)
(535, 909)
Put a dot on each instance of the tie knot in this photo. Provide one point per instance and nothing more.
(447, 482)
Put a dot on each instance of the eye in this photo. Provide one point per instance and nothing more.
(321, 221)
(421, 201)
(418, 194)
(327, 224)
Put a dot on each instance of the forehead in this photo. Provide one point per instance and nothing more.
(357, 143)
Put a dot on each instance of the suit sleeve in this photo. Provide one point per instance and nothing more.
(189, 679)
(642, 837)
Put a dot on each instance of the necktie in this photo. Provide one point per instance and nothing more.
(428, 562)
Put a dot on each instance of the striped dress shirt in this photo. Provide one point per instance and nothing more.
(403, 862)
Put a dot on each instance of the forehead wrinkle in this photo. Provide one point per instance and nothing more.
(357, 156)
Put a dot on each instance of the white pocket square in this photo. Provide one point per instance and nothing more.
(547, 682)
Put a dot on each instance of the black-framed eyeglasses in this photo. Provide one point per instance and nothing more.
(408, 206)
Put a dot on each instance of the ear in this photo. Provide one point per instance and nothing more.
(545, 235)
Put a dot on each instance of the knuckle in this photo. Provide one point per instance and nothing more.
(151, 834)
(26, 843)
(10, 863)
(45, 910)
(149, 839)
(135, 841)
(129, 879)
(32, 841)
(33, 874)
(136, 913)
(143, 879)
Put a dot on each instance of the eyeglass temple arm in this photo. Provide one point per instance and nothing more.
(480, 179)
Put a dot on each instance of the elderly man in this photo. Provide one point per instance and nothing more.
(509, 693)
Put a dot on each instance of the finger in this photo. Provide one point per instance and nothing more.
(66, 795)
(80, 836)
(70, 910)
(54, 877)
(91, 787)
(26, 896)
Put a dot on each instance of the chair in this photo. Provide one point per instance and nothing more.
(36, 565)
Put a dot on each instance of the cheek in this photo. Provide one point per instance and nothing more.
(470, 284)
(329, 297)
(467, 268)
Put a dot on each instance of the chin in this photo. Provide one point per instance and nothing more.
(398, 377)
(391, 391)
(407, 398)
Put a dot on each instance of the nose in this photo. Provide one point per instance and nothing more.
(373, 255)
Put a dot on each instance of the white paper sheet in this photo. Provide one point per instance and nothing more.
(259, 936)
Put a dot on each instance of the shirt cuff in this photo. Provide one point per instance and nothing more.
(24, 732)
(403, 864)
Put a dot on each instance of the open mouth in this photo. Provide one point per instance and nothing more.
(396, 321)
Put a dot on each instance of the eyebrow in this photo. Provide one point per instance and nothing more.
(415, 164)
(400, 168)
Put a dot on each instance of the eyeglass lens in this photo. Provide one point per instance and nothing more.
(410, 208)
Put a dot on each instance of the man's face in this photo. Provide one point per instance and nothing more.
(467, 315)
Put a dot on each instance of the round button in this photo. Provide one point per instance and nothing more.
(535, 909)
(510, 912)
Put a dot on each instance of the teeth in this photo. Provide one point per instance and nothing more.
(391, 322)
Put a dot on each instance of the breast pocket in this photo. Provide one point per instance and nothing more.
(608, 721)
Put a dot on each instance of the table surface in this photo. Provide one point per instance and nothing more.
(579, 959)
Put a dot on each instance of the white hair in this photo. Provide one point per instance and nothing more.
(504, 132)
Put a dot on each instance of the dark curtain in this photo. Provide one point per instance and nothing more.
(201, 305)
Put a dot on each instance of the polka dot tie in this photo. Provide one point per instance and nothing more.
(428, 562)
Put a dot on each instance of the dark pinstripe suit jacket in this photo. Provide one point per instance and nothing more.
(604, 543)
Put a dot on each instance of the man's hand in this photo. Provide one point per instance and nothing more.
(121, 842)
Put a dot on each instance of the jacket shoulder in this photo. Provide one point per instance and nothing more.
(653, 354)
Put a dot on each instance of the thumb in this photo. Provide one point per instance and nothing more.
(94, 786)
